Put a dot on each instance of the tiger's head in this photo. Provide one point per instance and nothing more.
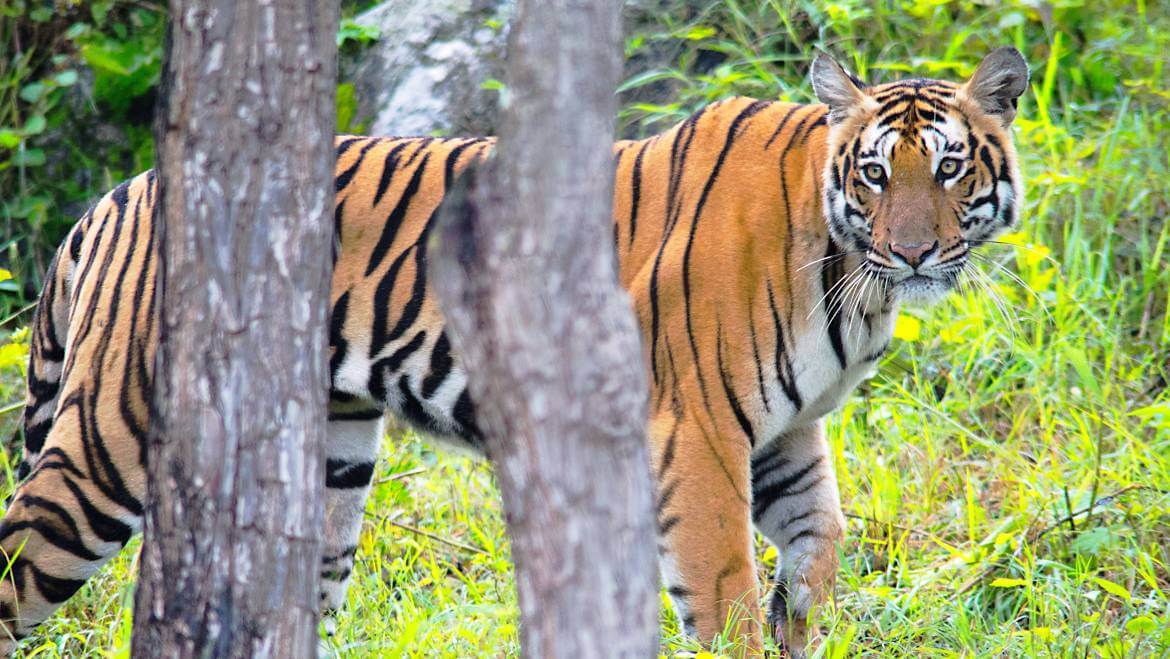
(920, 171)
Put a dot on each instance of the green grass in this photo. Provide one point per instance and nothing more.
(1006, 475)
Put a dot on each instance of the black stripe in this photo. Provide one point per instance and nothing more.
(767, 461)
(336, 575)
(106, 528)
(34, 436)
(386, 366)
(665, 496)
(782, 361)
(728, 391)
(636, 191)
(345, 553)
(389, 165)
(394, 220)
(75, 241)
(756, 358)
(796, 518)
(337, 339)
(764, 497)
(54, 589)
(63, 534)
(344, 475)
(666, 525)
(414, 303)
(780, 126)
(668, 452)
(366, 414)
(441, 363)
(830, 275)
(805, 533)
(411, 408)
(819, 122)
(345, 177)
(464, 414)
(345, 145)
(379, 336)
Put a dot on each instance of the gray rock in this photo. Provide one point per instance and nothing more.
(426, 74)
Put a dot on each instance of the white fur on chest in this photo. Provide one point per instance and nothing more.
(821, 382)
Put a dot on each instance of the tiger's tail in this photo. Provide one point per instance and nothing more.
(46, 357)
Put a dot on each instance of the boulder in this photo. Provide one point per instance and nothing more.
(433, 69)
(427, 72)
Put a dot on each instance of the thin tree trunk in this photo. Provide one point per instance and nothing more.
(245, 170)
(525, 271)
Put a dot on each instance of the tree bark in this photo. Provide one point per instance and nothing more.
(525, 272)
(244, 145)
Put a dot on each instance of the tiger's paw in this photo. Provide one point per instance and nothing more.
(792, 632)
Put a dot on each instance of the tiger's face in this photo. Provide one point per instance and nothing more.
(921, 171)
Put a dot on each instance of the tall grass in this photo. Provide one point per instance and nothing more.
(1006, 475)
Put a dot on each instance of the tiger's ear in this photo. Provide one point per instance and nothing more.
(1000, 79)
(835, 87)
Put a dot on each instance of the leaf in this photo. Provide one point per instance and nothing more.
(13, 354)
(1005, 582)
(1042, 633)
(104, 60)
(35, 125)
(351, 30)
(76, 30)
(1114, 589)
(1144, 413)
(1141, 625)
(1093, 541)
(649, 77)
(346, 106)
(907, 328)
(699, 32)
(1033, 254)
(1017, 238)
(32, 92)
(1080, 363)
(770, 554)
(66, 78)
(8, 138)
(29, 158)
(5, 275)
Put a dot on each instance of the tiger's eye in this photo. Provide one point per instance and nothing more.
(875, 173)
(948, 166)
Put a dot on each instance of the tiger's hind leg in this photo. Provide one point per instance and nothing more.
(351, 451)
(78, 507)
(797, 507)
(704, 529)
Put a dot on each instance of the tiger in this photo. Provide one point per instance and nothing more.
(766, 248)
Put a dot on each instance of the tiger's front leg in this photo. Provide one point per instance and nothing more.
(704, 528)
(795, 504)
(351, 453)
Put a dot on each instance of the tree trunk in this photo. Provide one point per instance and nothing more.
(244, 141)
(525, 271)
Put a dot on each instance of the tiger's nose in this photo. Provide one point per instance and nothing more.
(913, 253)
